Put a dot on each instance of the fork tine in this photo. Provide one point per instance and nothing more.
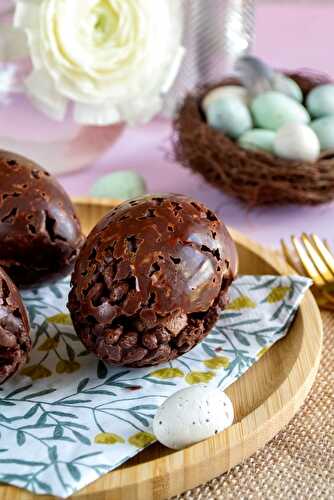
(310, 268)
(287, 256)
(324, 251)
(317, 259)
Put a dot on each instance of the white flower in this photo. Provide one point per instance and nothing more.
(111, 58)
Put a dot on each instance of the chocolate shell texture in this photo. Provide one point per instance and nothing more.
(40, 234)
(151, 279)
(15, 342)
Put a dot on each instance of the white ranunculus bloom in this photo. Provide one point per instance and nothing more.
(111, 58)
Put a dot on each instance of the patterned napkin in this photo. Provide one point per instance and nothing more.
(67, 419)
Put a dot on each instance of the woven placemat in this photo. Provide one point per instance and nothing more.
(299, 462)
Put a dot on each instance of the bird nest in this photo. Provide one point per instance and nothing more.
(255, 177)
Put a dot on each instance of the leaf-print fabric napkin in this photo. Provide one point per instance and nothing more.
(67, 419)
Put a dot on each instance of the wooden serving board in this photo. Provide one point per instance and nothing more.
(264, 399)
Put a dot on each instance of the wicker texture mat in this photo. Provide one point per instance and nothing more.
(299, 462)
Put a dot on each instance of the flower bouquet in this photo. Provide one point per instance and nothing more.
(69, 67)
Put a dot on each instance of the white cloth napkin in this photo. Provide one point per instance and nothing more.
(67, 419)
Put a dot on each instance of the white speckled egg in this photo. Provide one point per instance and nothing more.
(324, 129)
(225, 91)
(320, 101)
(272, 109)
(287, 86)
(229, 115)
(120, 185)
(258, 139)
(295, 141)
(191, 415)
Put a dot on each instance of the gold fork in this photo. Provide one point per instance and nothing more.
(317, 262)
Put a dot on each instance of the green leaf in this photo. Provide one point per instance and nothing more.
(56, 291)
(83, 439)
(74, 471)
(17, 391)
(82, 384)
(19, 461)
(63, 414)
(30, 413)
(158, 382)
(70, 352)
(38, 394)
(43, 486)
(58, 432)
(42, 419)
(264, 285)
(102, 370)
(140, 418)
(20, 438)
(83, 353)
(71, 336)
(118, 375)
(241, 338)
(260, 340)
(53, 454)
(74, 424)
(87, 455)
(77, 401)
(208, 350)
(101, 391)
(6, 403)
(145, 407)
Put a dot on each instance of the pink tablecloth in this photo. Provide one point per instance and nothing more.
(290, 35)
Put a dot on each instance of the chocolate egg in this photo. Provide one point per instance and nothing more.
(151, 279)
(15, 342)
(40, 234)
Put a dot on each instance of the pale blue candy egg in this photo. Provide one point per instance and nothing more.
(258, 139)
(229, 115)
(320, 101)
(272, 109)
(324, 129)
(287, 86)
(225, 91)
(120, 185)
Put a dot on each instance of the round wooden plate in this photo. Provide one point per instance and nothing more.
(265, 399)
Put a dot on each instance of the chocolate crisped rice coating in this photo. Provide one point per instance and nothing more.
(40, 234)
(15, 342)
(151, 279)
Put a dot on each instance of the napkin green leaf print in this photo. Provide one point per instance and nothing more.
(67, 418)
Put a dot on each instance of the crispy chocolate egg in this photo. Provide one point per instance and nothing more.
(40, 235)
(151, 279)
(15, 342)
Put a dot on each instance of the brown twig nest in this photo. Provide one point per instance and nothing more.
(255, 177)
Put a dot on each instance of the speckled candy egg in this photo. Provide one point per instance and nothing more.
(120, 185)
(229, 115)
(258, 139)
(191, 415)
(324, 129)
(320, 101)
(40, 235)
(15, 342)
(225, 91)
(151, 279)
(272, 109)
(295, 141)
